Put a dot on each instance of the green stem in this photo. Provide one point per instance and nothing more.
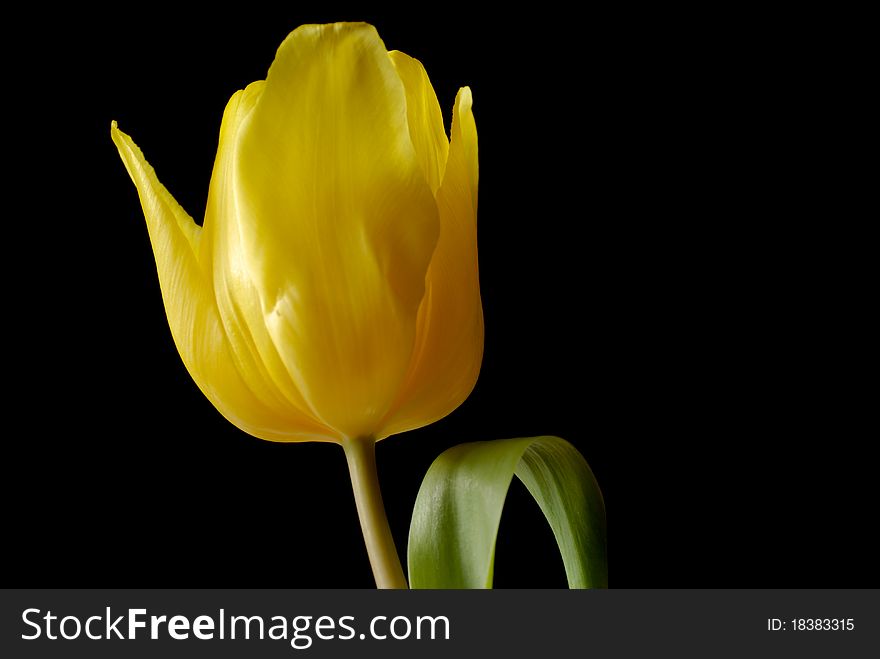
(361, 456)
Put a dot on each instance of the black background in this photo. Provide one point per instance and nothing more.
(663, 285)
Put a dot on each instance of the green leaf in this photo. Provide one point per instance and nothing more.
(458, 509)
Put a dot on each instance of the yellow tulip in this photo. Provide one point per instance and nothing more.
(332, 292)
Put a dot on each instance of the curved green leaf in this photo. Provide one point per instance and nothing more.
(458, 510)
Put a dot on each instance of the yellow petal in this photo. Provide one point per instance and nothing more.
(336, 222)
(449, 343)
(237, 298)
(424, 118)
(189, 305)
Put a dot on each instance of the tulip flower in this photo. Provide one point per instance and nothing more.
(331, 293)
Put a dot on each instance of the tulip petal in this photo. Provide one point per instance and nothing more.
(192, 314)
(424, 118)
(449, 341)
(238, 300)
(336, 221)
